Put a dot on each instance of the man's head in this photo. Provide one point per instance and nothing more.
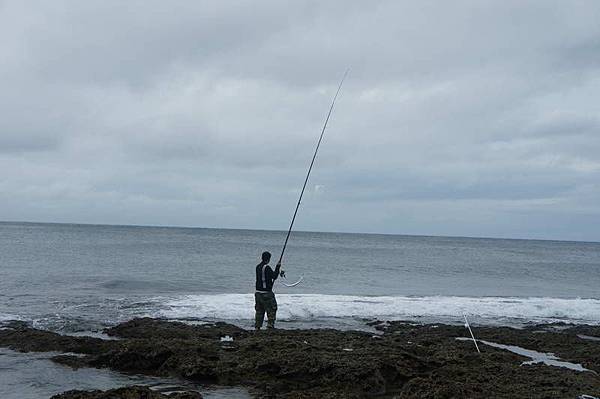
(266, 256)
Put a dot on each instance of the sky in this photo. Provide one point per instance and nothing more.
(463, 118)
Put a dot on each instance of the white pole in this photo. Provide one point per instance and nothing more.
(472, 336)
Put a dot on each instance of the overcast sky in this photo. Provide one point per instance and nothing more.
(470, 118)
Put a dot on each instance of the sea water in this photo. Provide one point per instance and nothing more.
(82, 278)
(73, 278)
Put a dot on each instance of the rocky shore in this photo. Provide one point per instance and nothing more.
(133, 392)
(400, 360)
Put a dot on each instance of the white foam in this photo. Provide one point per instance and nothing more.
(9, 317)
(311, 306)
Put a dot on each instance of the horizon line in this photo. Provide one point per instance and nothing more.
(296, 231)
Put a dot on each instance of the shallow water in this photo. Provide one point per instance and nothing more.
(589, 338)
(536, 357)
(34, 376)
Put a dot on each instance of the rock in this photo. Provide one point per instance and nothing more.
(148, 328)
(133, 392)
(408, 360)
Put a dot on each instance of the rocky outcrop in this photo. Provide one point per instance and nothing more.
(403, 360)
(133, 392)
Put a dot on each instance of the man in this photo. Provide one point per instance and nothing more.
(264, 298)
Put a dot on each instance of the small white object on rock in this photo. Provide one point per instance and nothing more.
(227, 338)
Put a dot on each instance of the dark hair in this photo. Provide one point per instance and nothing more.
(266, 256)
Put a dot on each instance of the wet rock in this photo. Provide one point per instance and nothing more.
(75, 362)
(133, 392)
(148, 328)
(19, 336)
(407, 360)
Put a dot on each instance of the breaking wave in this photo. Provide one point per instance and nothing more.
(313, 306)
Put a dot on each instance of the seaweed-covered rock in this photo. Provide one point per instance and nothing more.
(404, 360)
(133, 392)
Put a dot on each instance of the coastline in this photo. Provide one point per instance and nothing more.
(402, 360)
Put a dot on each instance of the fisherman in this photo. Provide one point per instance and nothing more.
(264, 298)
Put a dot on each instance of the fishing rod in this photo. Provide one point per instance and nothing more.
(312, 162)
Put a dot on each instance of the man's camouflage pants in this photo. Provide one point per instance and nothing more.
(265, 302)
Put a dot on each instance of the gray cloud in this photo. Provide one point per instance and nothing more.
(462, 118)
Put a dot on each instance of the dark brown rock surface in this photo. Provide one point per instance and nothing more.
(404, 361)
(133, 392)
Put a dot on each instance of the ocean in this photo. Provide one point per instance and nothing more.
(78, 279)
